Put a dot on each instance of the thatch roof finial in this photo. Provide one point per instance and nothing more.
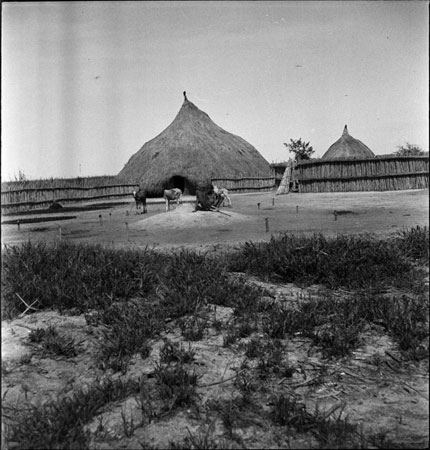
(185, 95)
(348, 147)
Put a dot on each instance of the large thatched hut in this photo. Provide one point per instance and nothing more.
(190, 152)
(348, 147)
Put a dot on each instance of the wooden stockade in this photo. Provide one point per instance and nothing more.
(247, 184)
(29, 198)
(377, 174)
(377, 183)
(103, 180)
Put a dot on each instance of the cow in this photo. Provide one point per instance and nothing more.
(223, 193)
(172, 195)
(140, 199)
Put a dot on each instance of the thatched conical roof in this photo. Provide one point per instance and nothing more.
(348, 147)
(191, 151)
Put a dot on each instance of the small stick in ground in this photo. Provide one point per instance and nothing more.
(217, 210)
(28, 307)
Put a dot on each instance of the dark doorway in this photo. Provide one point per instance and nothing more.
(183, 184)
(178, 182)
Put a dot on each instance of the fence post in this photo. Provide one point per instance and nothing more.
(273, 201)
(258, 205)
(297, 209)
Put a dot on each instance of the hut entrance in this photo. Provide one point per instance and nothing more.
(183, 184)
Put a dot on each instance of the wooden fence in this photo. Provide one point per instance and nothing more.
(247, 184)
(279, 169)
(376, 174)
(29, 198)
(102, 180)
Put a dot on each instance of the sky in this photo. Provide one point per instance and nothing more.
(86, 84)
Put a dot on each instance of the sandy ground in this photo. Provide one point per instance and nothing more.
(374, 388)
(358, 212)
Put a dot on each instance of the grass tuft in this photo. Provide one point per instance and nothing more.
(175, 352)
(334, 432)
(176, 385)
(60, 423)
(52, 342)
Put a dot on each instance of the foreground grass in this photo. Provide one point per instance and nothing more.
(134, 293)
(60, 423)
(84, 277)
(354, 262)
(336, 324)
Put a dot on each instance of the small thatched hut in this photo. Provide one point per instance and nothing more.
(348, 147)
(190, 152)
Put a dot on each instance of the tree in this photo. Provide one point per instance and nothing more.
(301, 149)
(409, 150)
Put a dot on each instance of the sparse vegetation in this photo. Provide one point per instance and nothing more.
(176, 385)
(203, 439)
(193, 328)
(60, 423)
(176, 352)
(334, 432)
(132, 297)
(52, 342)
(129, 325)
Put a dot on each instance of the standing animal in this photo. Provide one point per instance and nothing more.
(223, 193)
(140, 199)
(172, 195)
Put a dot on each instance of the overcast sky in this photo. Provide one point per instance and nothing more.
(86, 84)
